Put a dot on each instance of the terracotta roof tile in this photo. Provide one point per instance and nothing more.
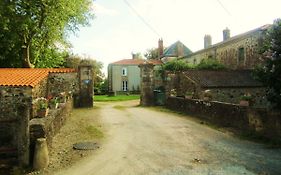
(135, 62)
(27, 76)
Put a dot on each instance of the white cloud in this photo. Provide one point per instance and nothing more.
(119, 31)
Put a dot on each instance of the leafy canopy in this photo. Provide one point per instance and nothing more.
(152, 53)
(41, 27)
(270, 73)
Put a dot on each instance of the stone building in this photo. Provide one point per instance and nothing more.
(18, 89)
(124, 75)
(237, 52)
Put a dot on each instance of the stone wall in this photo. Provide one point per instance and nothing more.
(40, 90)
(233, 95)
(258, 121)
(15, 105)
(147, 84)
(62, 82)
(17, 113)
(240, 52)
(50, 125)
(183, 85)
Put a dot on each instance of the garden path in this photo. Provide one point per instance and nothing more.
(141, 140)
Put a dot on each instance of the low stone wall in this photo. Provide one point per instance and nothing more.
(258, 121)
(50, 125)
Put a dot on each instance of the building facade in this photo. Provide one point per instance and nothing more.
(238, 52)
(124, 75)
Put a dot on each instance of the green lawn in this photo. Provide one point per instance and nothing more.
(116, 98)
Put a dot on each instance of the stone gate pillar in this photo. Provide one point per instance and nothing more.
(147, 84)
(85, 74)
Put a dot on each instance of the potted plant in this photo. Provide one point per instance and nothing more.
(53, 103)
(41, 106)
(245, 100)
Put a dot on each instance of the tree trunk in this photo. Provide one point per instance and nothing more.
(25, 56)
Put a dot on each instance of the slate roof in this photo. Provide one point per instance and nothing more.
(172, 50)
(136, 62)
(27, 76)
(223, 78)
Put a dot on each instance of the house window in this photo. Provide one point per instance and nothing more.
(124, 71)
(125, 85)
(241, 55)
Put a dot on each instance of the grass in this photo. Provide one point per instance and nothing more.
(119, 107)
(116, 98)
(94, 131)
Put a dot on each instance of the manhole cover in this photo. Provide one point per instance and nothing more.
(86, 146)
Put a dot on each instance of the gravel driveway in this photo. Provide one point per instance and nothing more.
(146, 141)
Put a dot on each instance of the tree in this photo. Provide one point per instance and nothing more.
(35, 32)
(152, 53)
(270, 73)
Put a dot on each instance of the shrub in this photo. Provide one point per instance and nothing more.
(176, 65)
(246, 97)
(210, 64)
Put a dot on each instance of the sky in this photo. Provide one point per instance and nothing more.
(123, 27)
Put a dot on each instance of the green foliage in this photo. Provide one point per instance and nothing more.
(152, 53)
(40, 26)
(176, 65)
(246, 97)
(103, 87)
(270, 73)
(94, 131)
(209, 64)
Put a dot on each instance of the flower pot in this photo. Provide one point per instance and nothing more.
(244, 103)
(188, 96)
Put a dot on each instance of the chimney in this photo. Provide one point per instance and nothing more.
(134, 56)
(207, 41)
(226, 34)
(160, 47)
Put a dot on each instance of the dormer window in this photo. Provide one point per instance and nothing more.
(124, 71)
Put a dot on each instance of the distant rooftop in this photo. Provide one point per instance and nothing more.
(172, 50)
(27, 76)
(136, 62)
